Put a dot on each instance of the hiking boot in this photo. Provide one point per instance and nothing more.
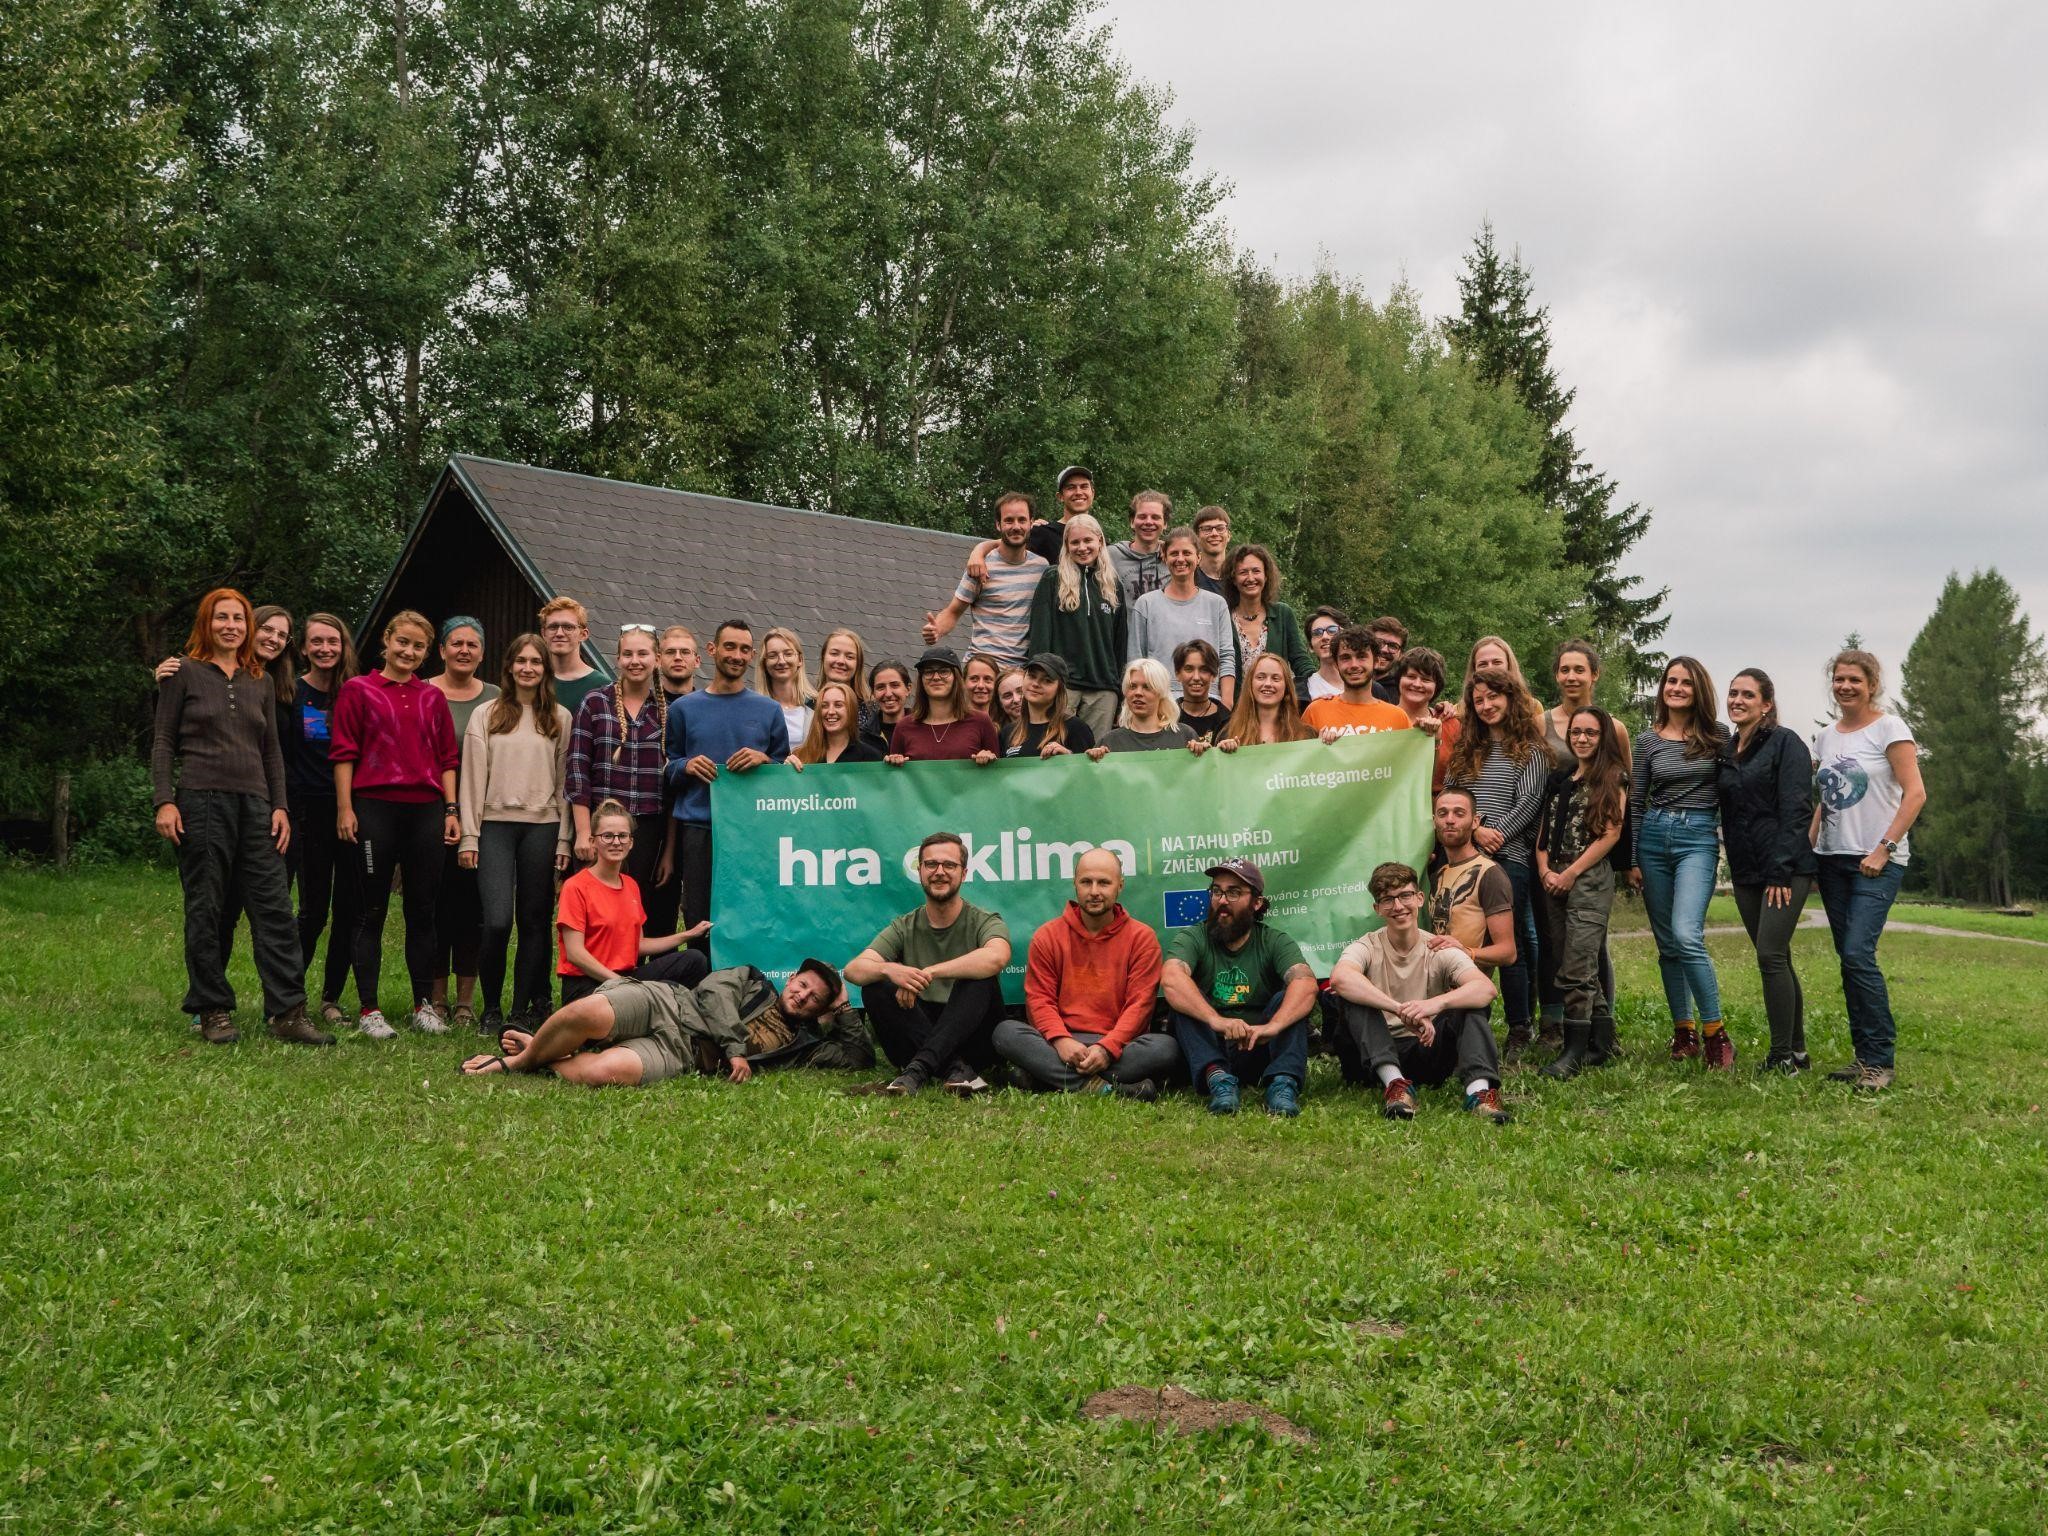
(1572, 1059)
(1849, 1074)
(296, 1028)
(1685, 1043)
(1397, 1100)
(218, 1028)
(912, 1079)
(371, 1022)
(1718, 1052)
(1873, 1079)
(1222, 1093)
(1550, 1035)
(428, 1019)
(1283, 1097)
(1517, 1044)
(462, 1016)
(1486, 1105)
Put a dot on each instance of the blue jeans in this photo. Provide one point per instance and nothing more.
(1517, 979)
(1678, 854)
(1285, 1055)
(1857, 907)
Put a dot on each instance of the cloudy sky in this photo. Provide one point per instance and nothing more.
(1796, 259)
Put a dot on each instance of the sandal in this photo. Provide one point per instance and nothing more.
(333, 1015)
(480, 1065)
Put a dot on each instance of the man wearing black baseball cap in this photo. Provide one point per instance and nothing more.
(1240, 992)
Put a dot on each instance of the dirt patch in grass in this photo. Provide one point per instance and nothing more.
(1183, 1412)
(1373, 1328)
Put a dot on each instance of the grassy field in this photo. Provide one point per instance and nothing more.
(267, 1289)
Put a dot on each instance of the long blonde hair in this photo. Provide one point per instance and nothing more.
(858, 683)
(1068, 574)
(804, 688)
(1514, 667)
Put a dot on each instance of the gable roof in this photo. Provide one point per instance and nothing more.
(642, 552)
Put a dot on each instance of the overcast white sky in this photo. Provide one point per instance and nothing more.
(1796, 259)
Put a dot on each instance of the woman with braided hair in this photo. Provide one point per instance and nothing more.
(617, 748)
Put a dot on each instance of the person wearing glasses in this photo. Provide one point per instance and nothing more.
(602, 926)
(1324, 625)
(1419, 1013)
(565, 625)
(931, 981)
(1239, 993)
(1389, 640)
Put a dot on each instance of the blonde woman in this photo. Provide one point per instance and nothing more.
(1078, 612)
(780, 675)
(1268, 711)
(843, 658)
(1150, 721)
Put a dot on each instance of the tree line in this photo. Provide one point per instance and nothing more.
(267, 262)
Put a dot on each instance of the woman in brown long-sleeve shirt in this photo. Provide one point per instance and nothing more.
(215, 723)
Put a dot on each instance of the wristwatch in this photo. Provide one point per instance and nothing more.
(452, 809)
(1888, 845)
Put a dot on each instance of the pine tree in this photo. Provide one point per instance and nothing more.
(1973, 689)
(1506, 335)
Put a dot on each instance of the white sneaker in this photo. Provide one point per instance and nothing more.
(428, 1020)
(373, 1024)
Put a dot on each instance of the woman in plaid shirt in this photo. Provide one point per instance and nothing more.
(617, 750)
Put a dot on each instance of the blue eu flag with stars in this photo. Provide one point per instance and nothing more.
(1187, 909)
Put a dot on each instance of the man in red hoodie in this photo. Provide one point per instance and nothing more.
(1089, 987)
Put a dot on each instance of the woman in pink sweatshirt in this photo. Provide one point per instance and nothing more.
(394, 753)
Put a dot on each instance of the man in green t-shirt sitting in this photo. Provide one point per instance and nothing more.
(1417, 1011)
(1240, 994)
(930, 982)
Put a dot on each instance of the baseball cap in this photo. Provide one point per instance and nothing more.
(825, 973)
(1069, 473)
(1242, 869)
(1051, 663)
(939, 656)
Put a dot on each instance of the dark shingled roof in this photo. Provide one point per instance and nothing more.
(640, 551)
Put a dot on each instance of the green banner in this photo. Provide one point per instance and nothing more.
(817, 863)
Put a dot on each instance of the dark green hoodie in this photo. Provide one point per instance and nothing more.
(1093, 638)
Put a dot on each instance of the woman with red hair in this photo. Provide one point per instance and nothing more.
(216, 725)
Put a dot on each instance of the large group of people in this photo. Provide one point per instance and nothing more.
(562, 817)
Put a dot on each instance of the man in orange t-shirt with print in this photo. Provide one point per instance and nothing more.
(1354, 712)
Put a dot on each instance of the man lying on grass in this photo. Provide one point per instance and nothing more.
(1417, 1013)
(728, 1021)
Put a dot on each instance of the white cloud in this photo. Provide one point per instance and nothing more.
(1792, 254)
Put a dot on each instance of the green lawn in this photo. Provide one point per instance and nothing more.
(268, 1289)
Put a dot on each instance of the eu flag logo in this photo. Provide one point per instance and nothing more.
(1187, 909)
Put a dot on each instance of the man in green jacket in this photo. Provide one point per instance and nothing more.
(732, 1021)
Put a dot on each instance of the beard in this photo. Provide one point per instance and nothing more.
(1227, 928)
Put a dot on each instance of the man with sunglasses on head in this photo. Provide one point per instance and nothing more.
(722, 727)
(931, 981)
(1240, 992)
(1417, 1012)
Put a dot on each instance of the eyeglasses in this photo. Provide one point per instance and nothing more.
(943, 864)
(1402, 899)
(1590, 732)
(1387, 647)
(1322, 632)
(562, 627)
(643, 629)
(613, 837)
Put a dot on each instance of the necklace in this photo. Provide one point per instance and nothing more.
(939, 731)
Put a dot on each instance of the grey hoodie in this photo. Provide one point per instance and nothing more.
(1138, 574)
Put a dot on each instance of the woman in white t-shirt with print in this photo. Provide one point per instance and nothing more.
(1869, 795)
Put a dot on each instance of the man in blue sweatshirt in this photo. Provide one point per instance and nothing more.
(723, 725)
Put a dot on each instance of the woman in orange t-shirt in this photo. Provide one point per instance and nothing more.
(602, 925)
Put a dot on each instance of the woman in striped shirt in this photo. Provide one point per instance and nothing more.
(1675, 819)
(1499, 758)
(618, 748)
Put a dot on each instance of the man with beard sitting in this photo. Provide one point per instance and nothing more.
(931, 982)
(1240, 994)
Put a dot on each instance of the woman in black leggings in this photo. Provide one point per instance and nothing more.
(328, 879)
(395, 757)
(515, 828)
